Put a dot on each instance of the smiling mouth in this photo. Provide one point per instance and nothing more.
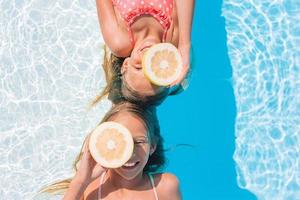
(145, 47)
(130, 165)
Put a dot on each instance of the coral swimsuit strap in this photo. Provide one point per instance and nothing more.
(161, 10)
(150, 177)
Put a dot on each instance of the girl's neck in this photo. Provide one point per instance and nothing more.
(120, 182)
(145, 35)
(147, 27)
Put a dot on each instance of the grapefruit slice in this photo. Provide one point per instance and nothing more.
(111, 144)
(162, 64)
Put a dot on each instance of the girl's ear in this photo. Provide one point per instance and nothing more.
(125, 65)
(152, 149)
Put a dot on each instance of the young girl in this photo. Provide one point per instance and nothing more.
(92, 181)
(117, 89)
(129, 28)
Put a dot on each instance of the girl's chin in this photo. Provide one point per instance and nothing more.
(131, 171)
(148, 42)
(130, 176)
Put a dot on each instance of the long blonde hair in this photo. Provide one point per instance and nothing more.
(148, 115)
(117, 88)
(112, 71)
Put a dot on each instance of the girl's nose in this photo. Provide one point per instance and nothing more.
(134, 151)
(137, 65)
(137, 60)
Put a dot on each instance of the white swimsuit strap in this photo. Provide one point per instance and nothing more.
(153, 186)
(101, 181)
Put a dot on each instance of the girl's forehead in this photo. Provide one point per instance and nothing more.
(132, 122)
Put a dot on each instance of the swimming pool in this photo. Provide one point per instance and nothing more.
(240, 115)
(267, 94)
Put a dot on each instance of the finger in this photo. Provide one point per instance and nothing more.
(181, 76)
(86, 150)
(98, 170)
(100, 167)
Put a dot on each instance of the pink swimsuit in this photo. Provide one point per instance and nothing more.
(161, 10)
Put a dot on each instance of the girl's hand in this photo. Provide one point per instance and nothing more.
(88, 169)
(184, 50)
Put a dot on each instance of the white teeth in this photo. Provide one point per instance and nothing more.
(129, 164)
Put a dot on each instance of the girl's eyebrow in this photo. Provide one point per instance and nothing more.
(139, 137)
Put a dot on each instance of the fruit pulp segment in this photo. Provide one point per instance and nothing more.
(163, 64)
(104, 144)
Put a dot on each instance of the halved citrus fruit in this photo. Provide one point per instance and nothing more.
(111, 144)
(162, 64)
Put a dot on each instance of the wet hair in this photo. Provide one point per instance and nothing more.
(148, 115)
(118, 90)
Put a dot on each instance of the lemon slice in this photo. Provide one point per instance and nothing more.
(162, 64)
(111, 144)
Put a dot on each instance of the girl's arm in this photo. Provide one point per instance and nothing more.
(185, 11)
(114, 36)
(87, 172)
(75, 191)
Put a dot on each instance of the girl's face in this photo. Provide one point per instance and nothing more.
(133, 73)
(142, 146)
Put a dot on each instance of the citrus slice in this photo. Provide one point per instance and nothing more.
(111, 144)
(162, 64)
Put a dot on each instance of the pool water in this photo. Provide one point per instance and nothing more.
(204, 116)
(241, 111)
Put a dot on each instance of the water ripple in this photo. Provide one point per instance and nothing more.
(49, 71)
(264, 49)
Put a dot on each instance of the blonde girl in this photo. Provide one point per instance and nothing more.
(130, 27)
(139, 178)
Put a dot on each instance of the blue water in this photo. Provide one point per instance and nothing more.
(263, 44)
(204, 116)
(243, 119)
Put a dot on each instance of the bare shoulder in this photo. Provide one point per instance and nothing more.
(169, 180)
(167, 185)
